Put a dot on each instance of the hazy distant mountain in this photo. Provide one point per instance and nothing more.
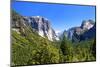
(87, 24)
(91, 33)
(82, 32)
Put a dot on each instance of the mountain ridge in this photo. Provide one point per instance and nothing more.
(38, 24)
(79, 32)
(43, 27)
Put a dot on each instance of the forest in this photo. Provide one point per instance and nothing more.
(33, 49)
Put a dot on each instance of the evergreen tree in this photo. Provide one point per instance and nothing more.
(67, 49)
(94, 48)
(64, 46)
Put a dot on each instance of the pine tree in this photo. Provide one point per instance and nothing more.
(67, 49)
(94, 48)
(64, 46)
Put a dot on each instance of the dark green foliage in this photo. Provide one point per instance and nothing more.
(64, 46)
(67, 49)
(83, 51)
(93, 48)
(36, 50)
(80, 51)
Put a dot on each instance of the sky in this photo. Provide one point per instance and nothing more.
(61, 16)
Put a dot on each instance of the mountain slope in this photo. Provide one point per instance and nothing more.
(91, 33)
(77, 34)
(28, 47)
(41, 26)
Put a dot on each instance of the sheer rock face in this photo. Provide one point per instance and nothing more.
(42, 26)
(35, 23)
(87, 24)
(85, 31)
(91, 33)
(18, 24)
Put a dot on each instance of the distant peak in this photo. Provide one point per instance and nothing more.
(87, 24)
(88, 21)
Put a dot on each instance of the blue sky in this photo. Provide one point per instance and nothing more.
(60, 16)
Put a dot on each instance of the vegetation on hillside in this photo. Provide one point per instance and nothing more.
(28, 48)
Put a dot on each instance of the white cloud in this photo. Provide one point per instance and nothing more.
(57, 31)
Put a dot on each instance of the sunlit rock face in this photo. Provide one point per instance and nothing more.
(85, 31)
(87, 24)
(42, 26)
